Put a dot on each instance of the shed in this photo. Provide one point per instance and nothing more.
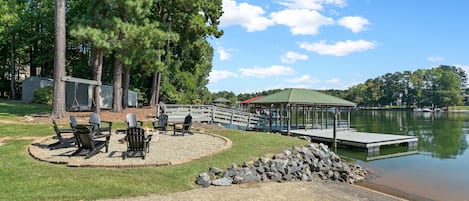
(78, 92)
(307, 108)
(30, 85)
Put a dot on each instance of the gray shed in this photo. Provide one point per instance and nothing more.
(78, 93)
(31, 84)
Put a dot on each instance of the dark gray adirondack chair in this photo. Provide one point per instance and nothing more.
(62, 142)
(162, 123)
(137, 142)
(88, 143)
(131, 120)
(97, 124)
(186, 126)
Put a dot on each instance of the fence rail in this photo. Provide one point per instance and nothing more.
(214, 114)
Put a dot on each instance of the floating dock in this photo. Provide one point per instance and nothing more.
(370, 141)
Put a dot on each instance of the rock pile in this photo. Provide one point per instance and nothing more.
(298, 163)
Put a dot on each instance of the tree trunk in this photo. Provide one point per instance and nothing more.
(117, 95)
(154, 89)
(12, 95)
(58, 105)
(125, 88)
(32, 64)
(97, 55)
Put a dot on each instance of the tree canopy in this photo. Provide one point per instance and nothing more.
(124, 42)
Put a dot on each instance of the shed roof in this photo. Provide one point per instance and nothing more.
(303, 96)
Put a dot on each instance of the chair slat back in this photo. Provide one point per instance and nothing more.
(163, 120)
(73, 121)
(131, 120)
(135, 139)
(187, 123)
(84, 135)
(95, 120)
(57, 131)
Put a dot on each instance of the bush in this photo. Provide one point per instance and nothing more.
(43, 95)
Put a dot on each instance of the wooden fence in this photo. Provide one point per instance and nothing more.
(214, 114)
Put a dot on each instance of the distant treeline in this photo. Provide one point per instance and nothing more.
(437, 87)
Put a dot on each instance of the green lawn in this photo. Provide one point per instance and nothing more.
(10, 110)
(24, 178)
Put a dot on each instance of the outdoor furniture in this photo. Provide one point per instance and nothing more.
(73, 122)
(62, 142)
(186, 126)
(162, 123)
(137, 142)
(97, 124)
(88, 142)
(131, 120)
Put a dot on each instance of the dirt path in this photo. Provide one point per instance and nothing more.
(270, 191)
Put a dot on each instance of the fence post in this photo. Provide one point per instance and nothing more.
(249, 120)
(232, 117)
(213, 113)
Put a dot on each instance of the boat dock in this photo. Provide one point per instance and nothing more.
(370, 141)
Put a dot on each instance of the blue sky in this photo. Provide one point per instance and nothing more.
(334, 44)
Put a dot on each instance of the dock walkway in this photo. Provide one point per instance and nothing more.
(370, 141)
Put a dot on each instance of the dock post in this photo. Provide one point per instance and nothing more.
(374, 149)
(334, 131)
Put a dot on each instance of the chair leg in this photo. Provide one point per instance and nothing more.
(78, 151)
(92, 153)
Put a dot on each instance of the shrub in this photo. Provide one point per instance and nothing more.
(43, 95)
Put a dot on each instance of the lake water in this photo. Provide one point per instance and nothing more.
(440, 169)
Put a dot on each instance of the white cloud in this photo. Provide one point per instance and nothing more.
(301, 21)
(292, 57)
(274, 70)
(340, 48)
(335, 81)
(217, 75)
(354, 23)
(225, 54)
(311, 4)
(305, 79)
(244, 14)
(435, 59)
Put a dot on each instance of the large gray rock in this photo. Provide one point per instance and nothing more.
(224, 181)
(203, 180)
(298, 163)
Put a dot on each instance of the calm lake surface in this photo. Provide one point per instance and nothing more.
(440, 169)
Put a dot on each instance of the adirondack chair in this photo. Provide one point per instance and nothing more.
(62, 142)
(73, 122)
(131, 120)
(97, 124)
(137, 142)
(87, 142)
(162, 123)
(186, 126)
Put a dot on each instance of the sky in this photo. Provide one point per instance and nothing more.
(334, 44)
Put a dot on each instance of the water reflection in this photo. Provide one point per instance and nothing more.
(441, 134)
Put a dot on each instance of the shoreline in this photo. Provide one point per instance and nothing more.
(390, 191)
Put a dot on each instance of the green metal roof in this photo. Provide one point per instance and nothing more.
(303, 96)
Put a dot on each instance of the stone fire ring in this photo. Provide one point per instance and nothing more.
(165, 149)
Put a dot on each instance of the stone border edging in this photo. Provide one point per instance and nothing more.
(36, 151)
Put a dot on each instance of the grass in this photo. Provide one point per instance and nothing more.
(12, 110)
(24, 178)
(461, 107)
